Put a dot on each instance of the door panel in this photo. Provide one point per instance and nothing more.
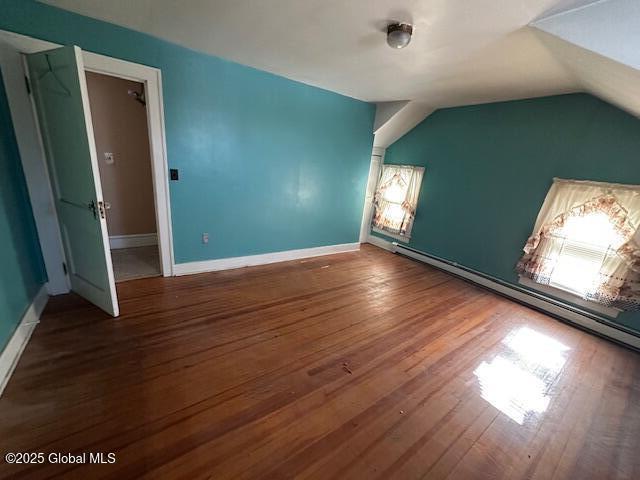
(60, 94)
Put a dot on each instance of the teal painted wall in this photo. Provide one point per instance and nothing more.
(21, 267)
(489, 167)
(266, 164)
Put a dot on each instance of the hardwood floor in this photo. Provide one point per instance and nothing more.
(361, 365)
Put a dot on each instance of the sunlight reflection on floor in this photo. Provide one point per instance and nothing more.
(517, 381)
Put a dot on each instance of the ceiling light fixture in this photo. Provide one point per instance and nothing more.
(399, 34)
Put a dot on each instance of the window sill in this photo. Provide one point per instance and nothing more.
(569, 297)
(401, 238)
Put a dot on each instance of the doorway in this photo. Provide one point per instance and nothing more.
(118, 111)
(72, 263)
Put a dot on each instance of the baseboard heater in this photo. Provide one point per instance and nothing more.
(550, 306)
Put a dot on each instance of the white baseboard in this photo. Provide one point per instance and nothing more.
(569, 313)
(263, 259)
(11, 354)
(380, 242)
(135, 240)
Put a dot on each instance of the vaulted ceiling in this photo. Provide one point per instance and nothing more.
(600, 45)
(462, 52)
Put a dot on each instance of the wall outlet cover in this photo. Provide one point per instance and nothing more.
(109, 158)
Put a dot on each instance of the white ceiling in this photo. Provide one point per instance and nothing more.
(612, 81)
(462, 52)
(599, 45)
(610, 28)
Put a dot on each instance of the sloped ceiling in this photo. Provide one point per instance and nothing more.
(399, 118)
(597, 43)
(610, 28)
(462, 52)
(612, 81)
(600, 45)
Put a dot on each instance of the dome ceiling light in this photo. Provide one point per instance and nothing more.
(399, 34)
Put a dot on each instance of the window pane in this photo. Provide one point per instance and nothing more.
(396, 199)
(595, 229)
(396, 192)
(587, 239)
(577, 267)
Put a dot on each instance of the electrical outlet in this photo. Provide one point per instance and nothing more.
(108, 158)
(205, 238)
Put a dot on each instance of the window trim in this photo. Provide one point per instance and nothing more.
(397, 236)
(568, 296)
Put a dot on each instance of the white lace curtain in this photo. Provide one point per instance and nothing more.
(396, 198)
(617, 283)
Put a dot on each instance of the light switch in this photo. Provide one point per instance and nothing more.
(108, 158)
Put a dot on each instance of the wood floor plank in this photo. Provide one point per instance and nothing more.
(358, 365)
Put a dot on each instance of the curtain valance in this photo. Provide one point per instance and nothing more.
(591, 227)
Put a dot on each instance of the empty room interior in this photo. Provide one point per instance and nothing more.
(363, 239)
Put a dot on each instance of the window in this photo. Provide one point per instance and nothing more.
(396, 200)
(585, 242)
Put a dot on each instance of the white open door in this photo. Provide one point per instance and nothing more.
(59, 89)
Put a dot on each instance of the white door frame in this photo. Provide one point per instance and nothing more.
(377, 159)
(152, 80)
(35, 166)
